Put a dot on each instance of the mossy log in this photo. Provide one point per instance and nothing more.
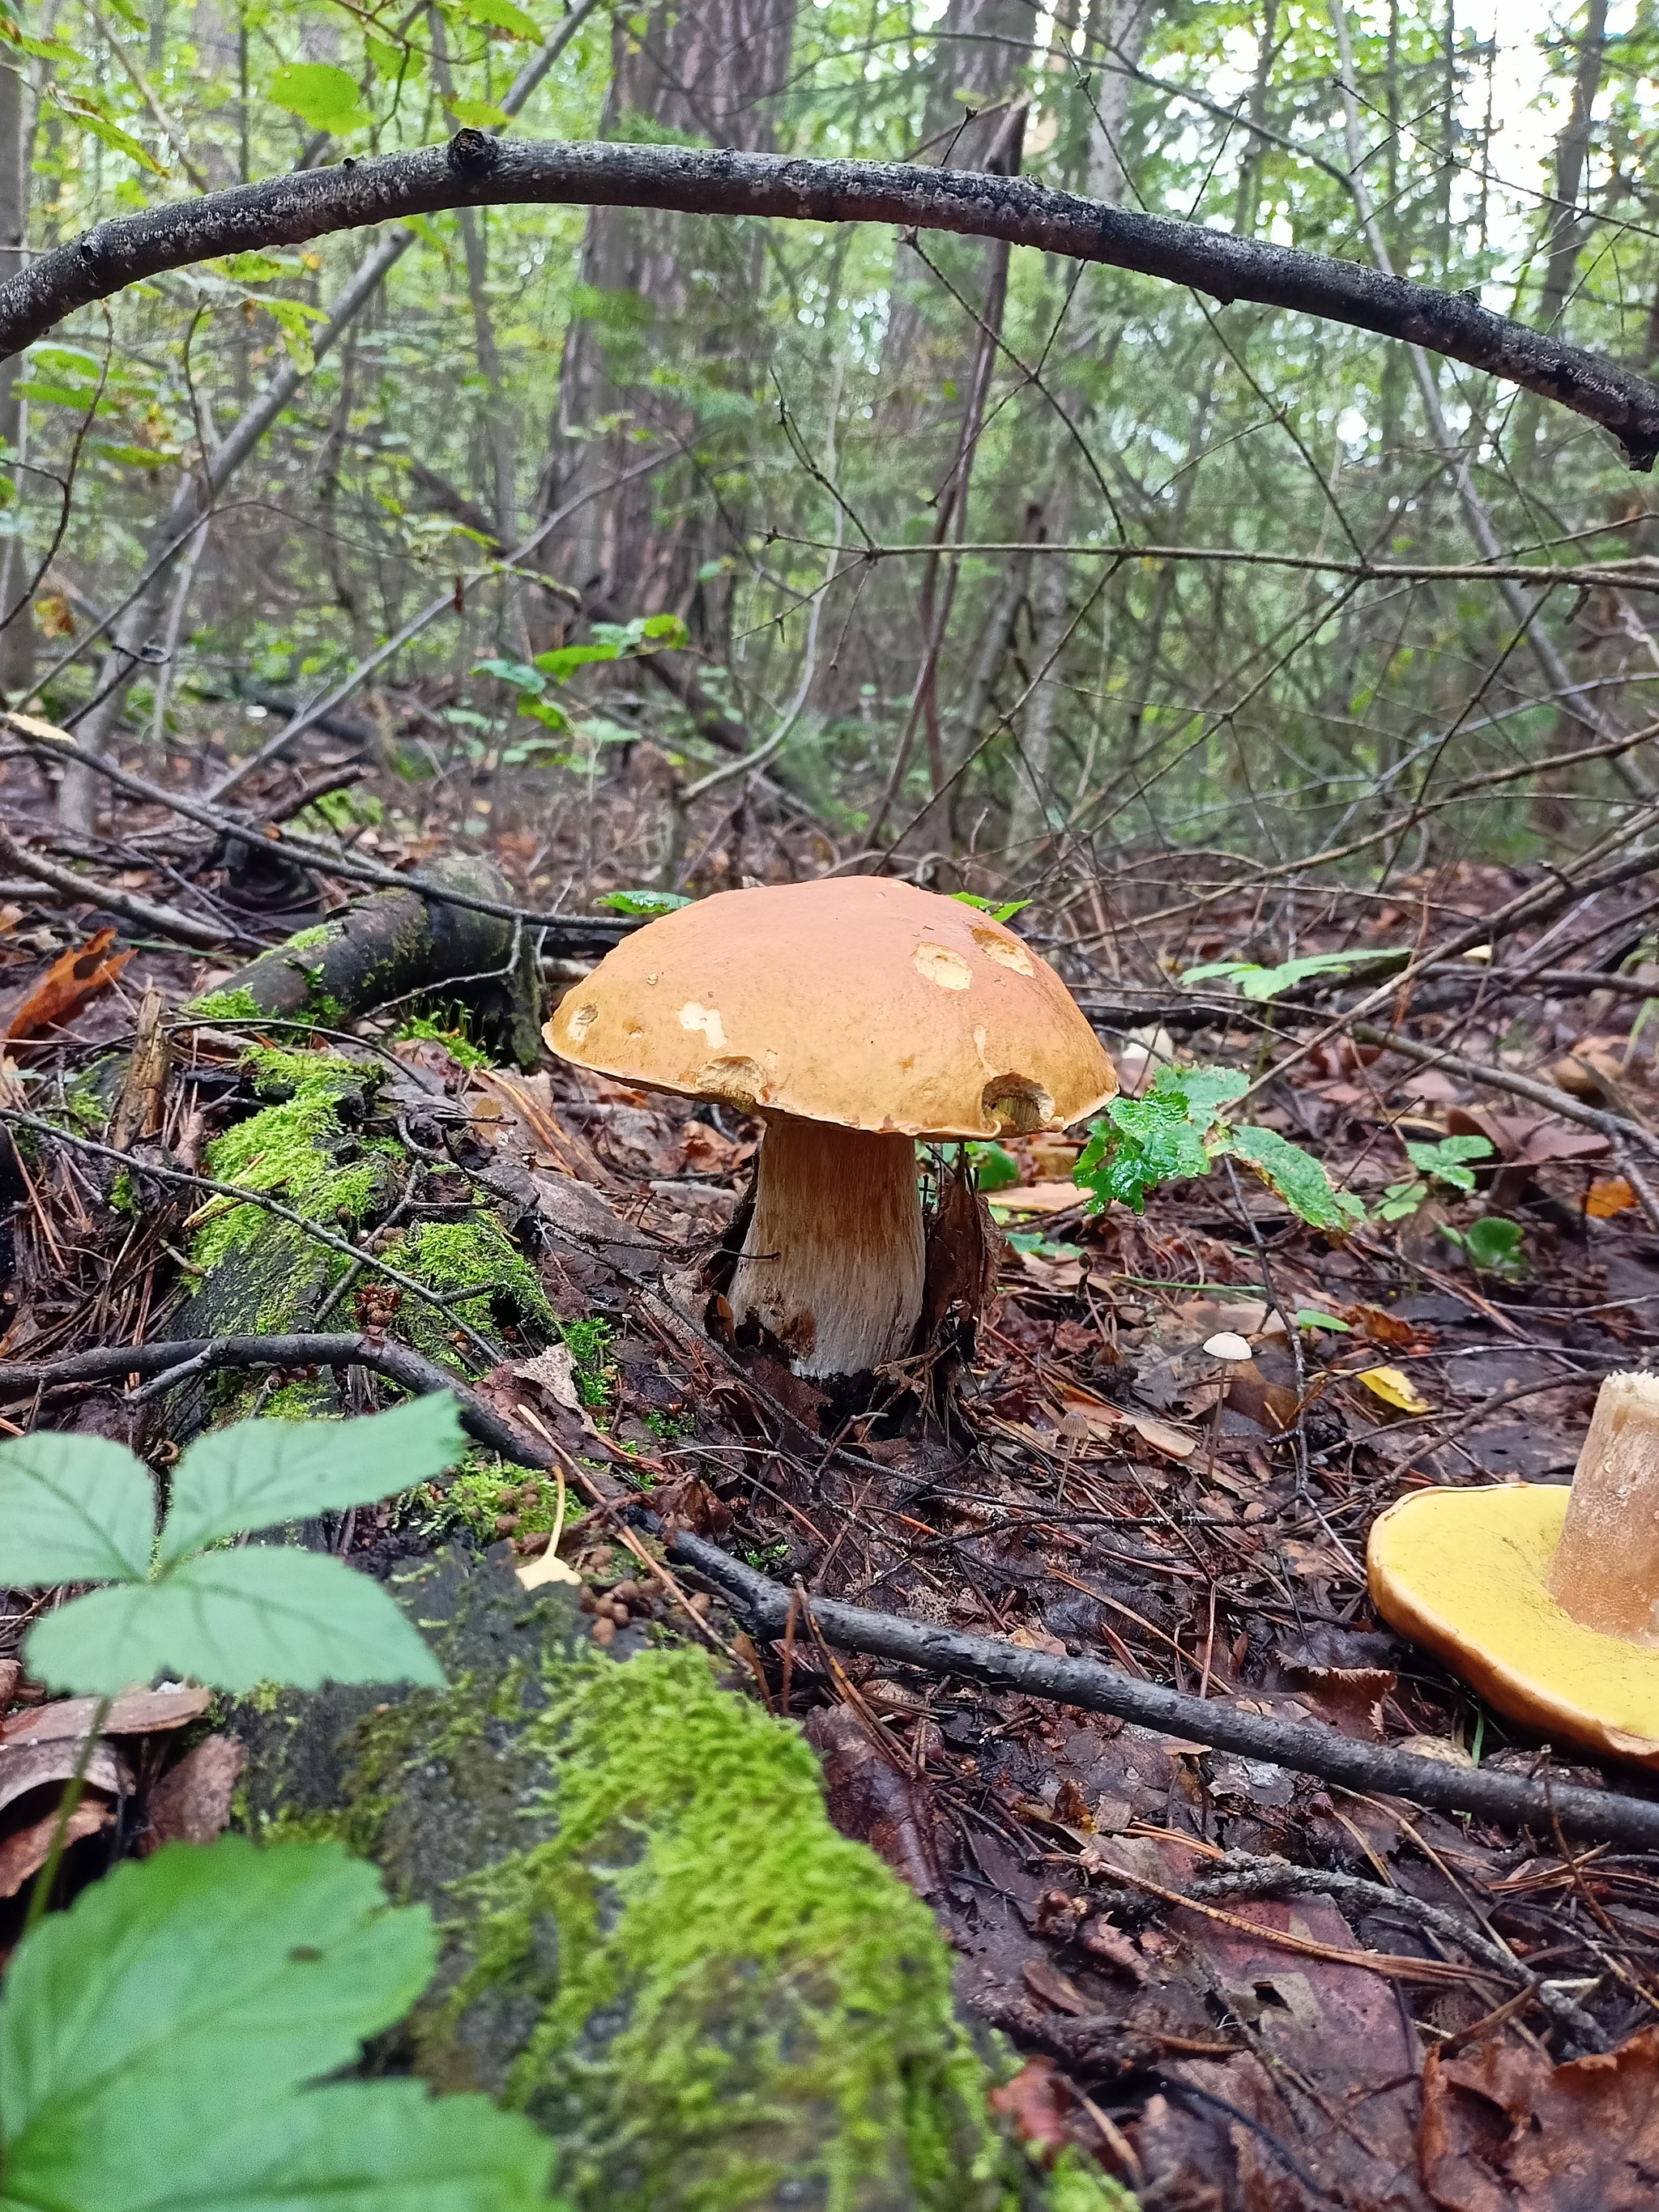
(656, 1945)
(390, 945)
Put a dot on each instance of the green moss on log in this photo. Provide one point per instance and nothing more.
(656, 1945)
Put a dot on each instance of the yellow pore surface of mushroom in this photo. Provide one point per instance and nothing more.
(854, 999)
(1464, 1572)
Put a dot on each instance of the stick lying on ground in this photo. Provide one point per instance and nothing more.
(1304, 1747)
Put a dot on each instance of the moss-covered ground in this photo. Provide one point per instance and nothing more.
(657, 1945)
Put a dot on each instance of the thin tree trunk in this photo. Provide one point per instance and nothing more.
(1455, 458)
(16, 129)
(1029, 819)
(659, 543)
(475, 252)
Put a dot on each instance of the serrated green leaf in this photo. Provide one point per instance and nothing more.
(1140, 1143)
(1297, 1177)
(254, 1474)
(180, 1999)
(367, 2146)
(1444, 1161)
(231, 1619)
(1205, 1090)
(73, 1510)
(323, 97)
(643, 901)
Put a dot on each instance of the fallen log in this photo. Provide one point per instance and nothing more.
(393, 945)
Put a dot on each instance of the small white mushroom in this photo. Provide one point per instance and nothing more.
(1227, 1347)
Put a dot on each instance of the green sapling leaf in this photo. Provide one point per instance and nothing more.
(256, 1473)
(73, 1510)
(156, 2039)
(643, 901)
(231, 1619)
(1298, 1178)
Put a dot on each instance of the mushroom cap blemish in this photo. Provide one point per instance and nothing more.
(854, 999)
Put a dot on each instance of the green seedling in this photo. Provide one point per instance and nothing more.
(83, 1509)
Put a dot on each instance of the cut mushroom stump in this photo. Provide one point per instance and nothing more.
(1545, 1600)
(853, 1016)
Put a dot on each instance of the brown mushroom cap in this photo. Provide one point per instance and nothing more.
(854, 999)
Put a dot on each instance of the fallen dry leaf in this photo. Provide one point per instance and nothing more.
(1035, 1198)
(1054, 1988)
(191, 1804)
(1504, 2131)
(25, 1853)
(1052, 1274)
(73, 978)
(1035, 2102)
(1608, 1195)
(555, 1370)
(1174, 1443)
(141, 1712)
(870, 1800)
(1395, 1388)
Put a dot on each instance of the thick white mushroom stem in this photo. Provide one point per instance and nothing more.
(833, 1262)
(1606, 1569)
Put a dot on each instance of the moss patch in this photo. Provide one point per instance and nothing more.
(296, 1151)
(239, 1005)
(454, 1258)
(655, 1943)
(451, 1034)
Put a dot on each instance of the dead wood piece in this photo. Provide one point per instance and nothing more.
(88, 891)
(1304, 1747)
(313, 202)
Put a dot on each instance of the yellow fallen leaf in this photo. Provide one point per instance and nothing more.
(1395, 1388)
(1608, 1195)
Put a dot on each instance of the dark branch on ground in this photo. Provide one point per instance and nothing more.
(1304, 1747)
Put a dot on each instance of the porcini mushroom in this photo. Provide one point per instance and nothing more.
(1546, 1600)
(853, 1015)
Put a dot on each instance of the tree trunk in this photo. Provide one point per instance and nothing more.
(665, 315)
(17, 636)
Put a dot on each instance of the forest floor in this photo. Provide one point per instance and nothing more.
(1097, 1490)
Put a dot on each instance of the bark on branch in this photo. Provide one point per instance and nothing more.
(1303, 1746)
(474, 171)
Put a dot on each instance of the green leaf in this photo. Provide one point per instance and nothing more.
(73, 1510)
(1204, 1089)
(92, 119)
(643, 901)
(231, 1619)
(1140, 1143)
(565, 659)
(1312, 1317)
(544, 711)
(664, 630)
(1401, 1199)
(1491, 1245)
(368, 2147)
(994, 1169)
(1298, 1178)
(1004, 911)
(500, 16)
(291, 316)
(323, 97)
(1257, 982)
(254, 1474)
(155, 2038)
(475, 114)
(1444, 1161)
(515, 672)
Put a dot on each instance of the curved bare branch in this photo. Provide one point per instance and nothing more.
(473, 170)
